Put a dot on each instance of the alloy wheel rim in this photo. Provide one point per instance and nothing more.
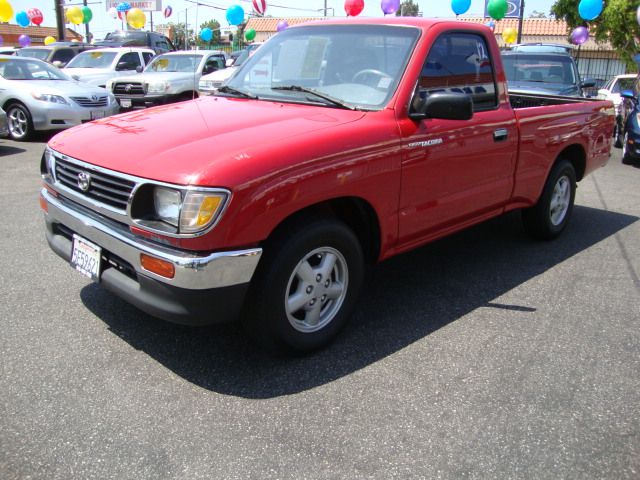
(560, 199)
(316, 289)
(17, 122)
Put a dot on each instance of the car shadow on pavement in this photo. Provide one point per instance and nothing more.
(406, 298)
(6, 150)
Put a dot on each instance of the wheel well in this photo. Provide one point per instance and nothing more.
(10, 102)
(576, 155)
(355, 212)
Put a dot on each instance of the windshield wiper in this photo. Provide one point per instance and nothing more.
(324, 96)
(235, 91)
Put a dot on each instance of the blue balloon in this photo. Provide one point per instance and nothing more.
(123, 7)
(460, 6)
(589, 9)
(22, 19)
(235, 15)
(206, 34)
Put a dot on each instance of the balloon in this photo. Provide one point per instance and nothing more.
(206, 34)
(74, 15)
(136, 18)
(168, 11)
(22, 19)
(259, 6)
(87, 14)
(250, 34)
(389, 6)
(113, 13)
(6, 11)
(589, 9)
(49, 40)
(235, 15)
(123, 7)
(497, 9)
(579, 35)
(24, 40)
(121, 15)
(509, 35)
(1, 40)
(282, 25)
(638, 16)
(491, 24)
(35, 16)
(460, 6)
(353, 7)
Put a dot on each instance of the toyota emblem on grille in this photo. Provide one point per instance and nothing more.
(128, 87)
(95, 98)
(84, 181)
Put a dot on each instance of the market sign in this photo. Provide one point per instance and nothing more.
(148, 5)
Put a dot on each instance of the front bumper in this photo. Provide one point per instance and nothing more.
(50, 116)
(146, 100)
(206, 288)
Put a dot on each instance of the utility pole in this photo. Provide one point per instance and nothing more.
(59, 19)
(325, 8)
(87, 34)
(520, 20)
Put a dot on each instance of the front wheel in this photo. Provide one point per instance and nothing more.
(305, 290)
(19, 122)
(617, 135)
(549, 217)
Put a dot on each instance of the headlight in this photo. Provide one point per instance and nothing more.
(158, 87)
(47, 97)
(177, 211)
(46, 167)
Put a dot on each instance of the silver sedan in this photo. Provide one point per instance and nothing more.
(38, 96)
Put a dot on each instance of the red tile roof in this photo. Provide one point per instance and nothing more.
(10, 34)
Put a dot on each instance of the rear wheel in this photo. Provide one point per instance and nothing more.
(19, 122)
(549, 217)
(306, 287)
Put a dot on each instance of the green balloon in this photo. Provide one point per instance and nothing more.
(497, 9)
(87, 14)
(250, 34)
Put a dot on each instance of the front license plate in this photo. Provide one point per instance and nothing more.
(96, 115)
(125, 103)
(85, 258)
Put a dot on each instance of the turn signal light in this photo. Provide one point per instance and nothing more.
(43, 204)
(157, 266)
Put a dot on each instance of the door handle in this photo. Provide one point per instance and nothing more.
(500, 135)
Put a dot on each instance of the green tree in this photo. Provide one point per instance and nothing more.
(177, 34)
(537, 14)
(215, 27)
(408, 9)
(617, 24)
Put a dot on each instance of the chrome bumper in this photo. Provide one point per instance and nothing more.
(192, 271)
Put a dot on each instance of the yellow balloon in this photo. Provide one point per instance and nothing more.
(6, 11)
(49, 40)
(74, 15)
(509, 35)
(136, 18)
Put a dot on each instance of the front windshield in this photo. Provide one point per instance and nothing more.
(540, 69)
(39, 53)
(358, 66)
(29, 70)
(174, 63)
(121, 36)
(92, 60)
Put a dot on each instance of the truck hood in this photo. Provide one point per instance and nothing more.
(184, 143)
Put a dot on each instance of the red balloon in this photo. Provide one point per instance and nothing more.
(259, 6)
(353, 7)
(35, 16)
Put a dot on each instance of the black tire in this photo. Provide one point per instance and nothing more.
(549, 217)
(291, 270)
(626, 158)
(19, 122)
(617, 135)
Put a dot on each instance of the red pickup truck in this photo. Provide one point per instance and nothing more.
(337, 145)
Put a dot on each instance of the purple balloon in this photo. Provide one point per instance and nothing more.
(24, 40)
(579, 35)
(1, 40)
(282, 25)
(390, 6)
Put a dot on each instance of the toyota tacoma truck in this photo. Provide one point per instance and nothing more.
(337, 145)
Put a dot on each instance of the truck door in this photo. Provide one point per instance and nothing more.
(455, 172)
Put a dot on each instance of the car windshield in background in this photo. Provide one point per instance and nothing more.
(623, 84)
(126, 36)
(543, 69)
(92, 60)
(29, 70)
(175, 63)
(354, 67)
(39, 53)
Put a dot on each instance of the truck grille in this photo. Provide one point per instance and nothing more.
(128, 88)
(99, 186)
(95, 101)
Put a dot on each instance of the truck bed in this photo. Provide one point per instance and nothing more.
(526, 100)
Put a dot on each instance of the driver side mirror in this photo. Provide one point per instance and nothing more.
(588, 83)
(445, 106)
(628, 94)
(230, 62)
(139, 69)
(57, 63)
(123, 66)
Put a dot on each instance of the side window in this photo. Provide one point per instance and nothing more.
(147, 56)
(459, 62)
(129, 61)
(63, 55)
(162, 45)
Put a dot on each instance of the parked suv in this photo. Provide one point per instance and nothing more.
(612, 91)
(131, 38)
(97, 66)
(58, 54)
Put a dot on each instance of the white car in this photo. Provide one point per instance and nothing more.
(97, 66)
(611, 91)
(170, 77)
(210, 83)
(38, 96)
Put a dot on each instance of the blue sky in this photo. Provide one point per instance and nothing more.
(103, 23)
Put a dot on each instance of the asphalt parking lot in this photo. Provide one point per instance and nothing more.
(484, 355)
